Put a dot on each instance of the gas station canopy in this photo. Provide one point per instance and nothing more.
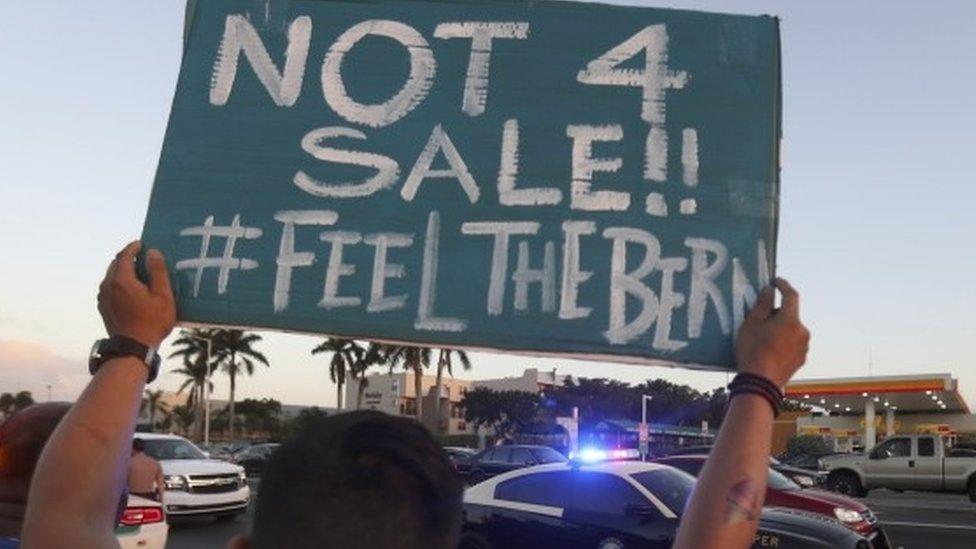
(930, 393)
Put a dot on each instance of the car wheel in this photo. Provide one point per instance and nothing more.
(473, 540)
(847, 484)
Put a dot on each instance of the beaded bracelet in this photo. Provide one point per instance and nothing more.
(745, 383)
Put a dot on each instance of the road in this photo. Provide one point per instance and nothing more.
(912, 520)
(922, 520)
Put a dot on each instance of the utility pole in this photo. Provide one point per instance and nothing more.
(643, 434)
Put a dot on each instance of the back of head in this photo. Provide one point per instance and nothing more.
(138, 445)
(359, 479)
(22, 438)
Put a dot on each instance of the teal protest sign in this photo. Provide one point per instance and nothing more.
(542, 177)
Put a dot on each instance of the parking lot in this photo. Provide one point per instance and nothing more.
(911, 519)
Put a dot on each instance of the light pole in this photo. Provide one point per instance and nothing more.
(206, 389)
(644, 429)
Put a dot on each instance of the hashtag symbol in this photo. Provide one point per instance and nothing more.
(226, 262)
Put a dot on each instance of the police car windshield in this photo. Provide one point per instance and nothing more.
(548, 455)
(671, 486)
(172, 449)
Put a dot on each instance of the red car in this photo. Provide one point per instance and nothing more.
(783, 492)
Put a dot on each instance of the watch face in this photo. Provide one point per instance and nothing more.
(94, 351)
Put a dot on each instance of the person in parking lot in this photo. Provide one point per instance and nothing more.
(145, 473)
(727, 500)
(359, 479)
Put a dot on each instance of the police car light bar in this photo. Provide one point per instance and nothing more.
(595, 455)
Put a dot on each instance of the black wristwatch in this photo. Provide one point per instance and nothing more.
(120, 346)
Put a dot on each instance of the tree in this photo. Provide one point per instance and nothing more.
(184, 417)
(235, 354)
(11, 403)
(445, 362)
(304, 419)
(414, 359)
(260, 415)
(194, 347)
(503, 411)
(346, 354)
(807, 444)
(153, 401)
(372, 357)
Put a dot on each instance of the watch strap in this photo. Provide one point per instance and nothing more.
(120, 346)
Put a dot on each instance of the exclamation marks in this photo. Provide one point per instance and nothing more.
(656, 169)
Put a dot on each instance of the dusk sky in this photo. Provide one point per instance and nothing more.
(876, 223)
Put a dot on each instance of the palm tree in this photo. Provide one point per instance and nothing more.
(444, 361)
(346, 353)
(234, 352)
(154, 402)
(414, 359)
(193, 347)
(184, 416)
(372, 357)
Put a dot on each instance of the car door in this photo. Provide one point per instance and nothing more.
(927, 464)
(530, 511)
(605, 511)
(888, 464)
(499, 462)
(521, 457)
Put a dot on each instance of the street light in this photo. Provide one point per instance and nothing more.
(644, 400)
(206, 383)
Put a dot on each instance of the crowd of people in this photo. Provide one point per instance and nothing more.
(359, 479)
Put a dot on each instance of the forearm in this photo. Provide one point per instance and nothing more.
(724, 508)
(94, 438)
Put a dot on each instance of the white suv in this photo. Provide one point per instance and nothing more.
(196, 484)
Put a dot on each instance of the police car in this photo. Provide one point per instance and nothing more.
(143, 525)
(612, 505)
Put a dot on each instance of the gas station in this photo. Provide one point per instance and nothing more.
(856, 412)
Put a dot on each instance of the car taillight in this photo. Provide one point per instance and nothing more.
(134, 516)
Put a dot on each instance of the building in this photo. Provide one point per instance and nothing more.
(854, 413)
(394, 393)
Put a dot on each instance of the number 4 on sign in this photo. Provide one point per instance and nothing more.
(655, 78)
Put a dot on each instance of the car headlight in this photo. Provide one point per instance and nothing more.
(242, 479)
(844, 514)
(175, 482)
(804, 481)
(821, 465)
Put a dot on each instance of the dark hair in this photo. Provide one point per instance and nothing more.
(23, 436)
(359, 479)
(138, 445)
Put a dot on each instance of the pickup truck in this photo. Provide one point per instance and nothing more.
(903, 462)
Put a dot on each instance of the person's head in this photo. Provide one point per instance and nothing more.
(22, 438)
(359, 479)
(138, 446)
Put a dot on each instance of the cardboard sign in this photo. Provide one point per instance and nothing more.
(551, 178)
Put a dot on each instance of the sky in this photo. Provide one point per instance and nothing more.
(876, 222)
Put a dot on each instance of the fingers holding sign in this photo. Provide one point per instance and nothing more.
(773, 343)
(131, 308)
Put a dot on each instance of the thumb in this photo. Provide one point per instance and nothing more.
(158, 277)
(763, 308)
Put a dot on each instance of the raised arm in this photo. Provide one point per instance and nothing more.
(728, 498)
(95, 436)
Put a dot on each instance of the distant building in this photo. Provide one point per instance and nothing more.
(394, 394)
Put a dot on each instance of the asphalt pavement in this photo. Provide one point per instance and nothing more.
(913, 520)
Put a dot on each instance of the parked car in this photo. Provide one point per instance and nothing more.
(501, 459)
(459, 453)
(807, 461)
(612, 505)
(143, 525)
(903, 462)
(783, 492)
(806, 479)
(196, 484)
(255, 457)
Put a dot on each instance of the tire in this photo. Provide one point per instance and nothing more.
(473, 540)
(847, 483)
